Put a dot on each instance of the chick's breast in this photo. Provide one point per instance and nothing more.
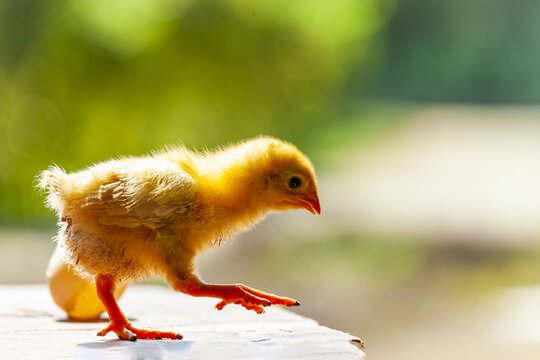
(119, 214)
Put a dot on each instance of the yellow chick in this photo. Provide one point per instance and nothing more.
(129, 218)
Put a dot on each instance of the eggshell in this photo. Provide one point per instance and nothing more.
(73, 294)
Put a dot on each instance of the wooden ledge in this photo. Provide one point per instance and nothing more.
(31, 327)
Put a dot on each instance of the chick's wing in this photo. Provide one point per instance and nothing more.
(150, 196)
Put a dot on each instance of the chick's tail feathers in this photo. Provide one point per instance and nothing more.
(53, 181)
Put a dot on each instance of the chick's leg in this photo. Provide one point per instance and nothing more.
(119, 323)
(233, 294)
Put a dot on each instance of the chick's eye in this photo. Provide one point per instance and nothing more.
(295, 182)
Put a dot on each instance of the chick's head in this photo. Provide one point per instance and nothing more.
(290, 179)
(294, 188)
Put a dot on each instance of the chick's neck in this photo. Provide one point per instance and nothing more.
(234, 188)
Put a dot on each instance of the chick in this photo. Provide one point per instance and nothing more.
(129, 218)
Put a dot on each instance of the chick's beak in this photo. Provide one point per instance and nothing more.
(311, 203)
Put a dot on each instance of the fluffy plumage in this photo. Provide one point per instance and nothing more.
(135, 216)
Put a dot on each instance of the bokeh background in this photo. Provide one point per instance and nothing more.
(421, 117)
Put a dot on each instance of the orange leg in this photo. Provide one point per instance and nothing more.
(236, 294)
(119, 323)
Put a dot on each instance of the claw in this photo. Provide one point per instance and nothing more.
(128, 335)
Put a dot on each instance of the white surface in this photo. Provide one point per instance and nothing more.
(31, 327)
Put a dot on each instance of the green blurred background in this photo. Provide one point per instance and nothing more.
(420, 116)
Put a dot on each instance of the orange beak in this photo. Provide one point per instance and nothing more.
(311, 203)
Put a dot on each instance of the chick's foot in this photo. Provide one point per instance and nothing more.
(274, 299)
(235, 294)
(125, 331)
(252, 299)
(239, 294)
(119, 323)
